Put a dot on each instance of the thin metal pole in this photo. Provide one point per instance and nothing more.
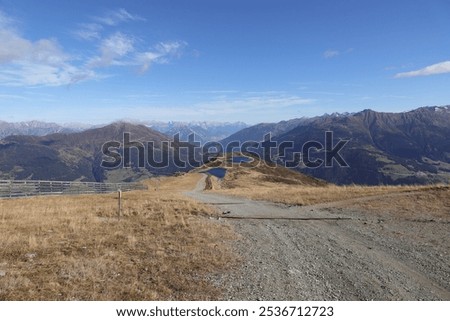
(119, 212)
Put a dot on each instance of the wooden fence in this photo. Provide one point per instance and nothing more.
(12, 188)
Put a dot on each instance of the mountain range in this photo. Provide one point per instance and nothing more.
(383, 148)
(204, 131)
(38, 128)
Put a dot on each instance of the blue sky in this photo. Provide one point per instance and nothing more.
(219, 60)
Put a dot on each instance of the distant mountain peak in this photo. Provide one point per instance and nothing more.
(204, 130)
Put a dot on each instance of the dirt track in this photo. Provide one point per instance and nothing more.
(328, 253)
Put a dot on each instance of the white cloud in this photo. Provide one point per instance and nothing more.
(114, 17)
(31, 74)
(13, 46)
(439, 68)
(118, 49)
(88, 31)
(44, 62)
(43, 74)
(48, 52)
(5, 21)
(112, 49)
(93, 30)
(161, 54)
(331, 54)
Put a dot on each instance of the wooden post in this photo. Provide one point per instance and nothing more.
(119, 212)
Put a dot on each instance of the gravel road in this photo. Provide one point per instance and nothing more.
(329, 252)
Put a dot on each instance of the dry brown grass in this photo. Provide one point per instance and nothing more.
(75, 247)
(260, 185)
(428, 203)
(310, 195)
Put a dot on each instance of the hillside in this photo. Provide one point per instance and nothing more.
(77, 156)
(383, 148)
(257, 132)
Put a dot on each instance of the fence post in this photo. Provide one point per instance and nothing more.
(119, 212)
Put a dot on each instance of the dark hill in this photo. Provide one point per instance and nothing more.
(78, 156)
(384, 148)
(257, 132)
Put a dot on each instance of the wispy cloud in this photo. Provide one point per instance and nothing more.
(212, 92)
(46, 63)
(88, 31)
(161, 54)
(118, 48)
(111, 50)
(115, 17)
(439, 68)
(331, 53)
(11, 97)
(41, 62)
(257, 108)
(327, 93)
(251, 104)
(5, 21)
(92, 30)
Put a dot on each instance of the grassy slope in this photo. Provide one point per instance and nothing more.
(75, 248)
(283, 186)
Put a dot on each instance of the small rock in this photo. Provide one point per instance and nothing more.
(30, 255)
(2, 273)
